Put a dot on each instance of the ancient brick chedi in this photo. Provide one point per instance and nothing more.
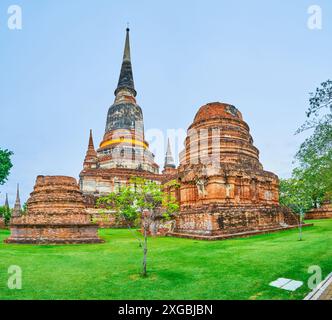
(55, 214)
(223, 187)
(123, 152)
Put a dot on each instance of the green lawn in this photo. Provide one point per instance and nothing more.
(178, 268)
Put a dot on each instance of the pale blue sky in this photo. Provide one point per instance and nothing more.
(58, 74)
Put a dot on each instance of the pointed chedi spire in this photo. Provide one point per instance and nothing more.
(169, 160)
(126, 53)
(91, 147)
(126, 80)
(6, 201)
(17, 207)
(91, 154)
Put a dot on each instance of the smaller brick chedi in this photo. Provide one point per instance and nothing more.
(223, 188)
(55, 214)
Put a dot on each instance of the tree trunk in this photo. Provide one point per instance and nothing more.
(300, 226)
(145, 251)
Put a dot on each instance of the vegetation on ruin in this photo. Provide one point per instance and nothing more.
(142, 203)
(5, 165)
(178, 268)
(311, 181)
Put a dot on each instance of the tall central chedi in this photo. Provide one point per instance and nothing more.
(123, 152)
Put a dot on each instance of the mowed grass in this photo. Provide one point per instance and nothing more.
(178, 268)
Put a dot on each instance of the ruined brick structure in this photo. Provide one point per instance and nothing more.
(223, 187)
(55, 214)
(324, 212)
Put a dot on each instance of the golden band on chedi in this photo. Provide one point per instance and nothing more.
(130, 141)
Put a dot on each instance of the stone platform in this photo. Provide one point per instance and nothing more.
(53, 234)
(225, 221)
(55, 215)
(233, 235)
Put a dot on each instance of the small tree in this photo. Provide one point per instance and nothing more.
(5, 213)
(295, 195)
(142, 202)
(294, 191)
(5, 165)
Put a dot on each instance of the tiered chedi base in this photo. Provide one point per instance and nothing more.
(324, 212)
(228, 221)
(55, 215)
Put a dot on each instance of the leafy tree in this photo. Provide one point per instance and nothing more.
(295, 195)
(24, 208)
(309, 185)
(5, 213)
(320, 107)
(316, 175)
(311, 181)
(315, 153)
(143, 202)
(3, 209)
(5, 165)
(319, 144)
